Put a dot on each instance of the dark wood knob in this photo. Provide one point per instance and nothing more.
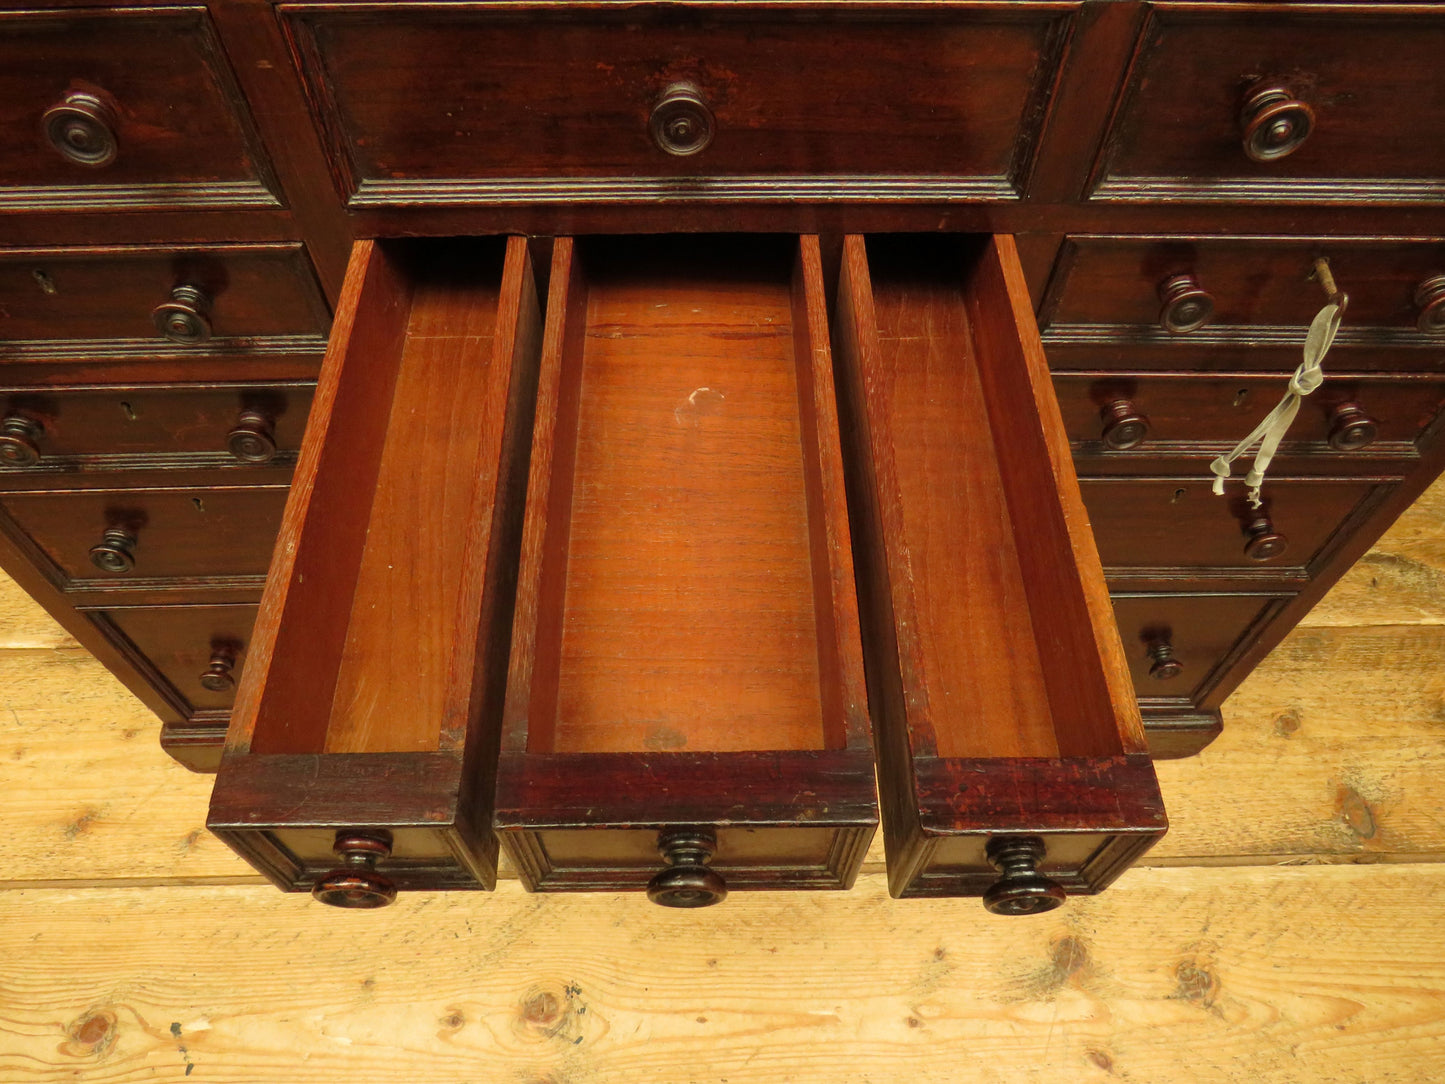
(218, 676)
(1125, 426)
(20, 441)
(1274, 123)
(1430, 300)
(82, 128)
(1163, 665)
(186, 317)
(356, 883)
(1022, 889)
(254, 438)
(681, 123)
(689, 882)
(115, 552)
(1351, 428)
(1186, 307)
(1265, 543)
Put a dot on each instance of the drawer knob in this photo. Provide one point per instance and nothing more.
(1351, 428)
(218, 676)
(20, 441)
(186, 317)
(115, 552)
(1125, 426)
(681, 123)
(1430, 300)
(356, 883)
(1265, 543)
(254, 438)
(1274, 124)
(689, 882)
(1186, 307)
(81, 127)
(1022, 889)
(1163, 665)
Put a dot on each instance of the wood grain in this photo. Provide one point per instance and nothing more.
(1178, 975)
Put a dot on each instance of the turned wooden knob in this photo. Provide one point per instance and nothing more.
(254, 438)
(1164, 666)
(82, 127)
(1430, 300)
(1274, 123)
(1264, 542)
(1125, 426)
(218, 677)
(356, 883)
(115, 552)
(1022, 889)
(186, 317)
(1186, 307)
(1351, 428)
(681, 123)
(20, 441)
(689, 882)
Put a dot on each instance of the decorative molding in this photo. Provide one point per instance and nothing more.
(158, 349)
(1348, 190)
(171, 196)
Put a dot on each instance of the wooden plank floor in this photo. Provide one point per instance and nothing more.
(1291, 928)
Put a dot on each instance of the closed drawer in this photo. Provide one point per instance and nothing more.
(1177, 645)
(1128, 422)
(439, 104)
(232, 298)
(123, 110)
(1179, 524)
(63, 430)
(145, 535)
(1297, 102)
(193, 655)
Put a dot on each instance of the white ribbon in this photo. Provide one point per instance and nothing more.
(1268, 433)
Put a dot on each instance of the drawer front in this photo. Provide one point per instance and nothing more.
(1177, 644)
(159, 534)
(1231, 102)
(193, 654)
(431, 104)
(137, 426)
(246, 296)
(1180, 523)
(123, 110)
(1119, 284)
(1127, 421)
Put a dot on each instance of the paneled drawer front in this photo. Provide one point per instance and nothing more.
(98, 428)
(1125, 422)
(439, 104)
(1180, 524)
(1176, 644)
(1287, 102)
(122, 110)
(246, 295)
(195, 654)
(120, 535)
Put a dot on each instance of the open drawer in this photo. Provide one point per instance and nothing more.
(1011, 756)
(686, 709)
(363, 741)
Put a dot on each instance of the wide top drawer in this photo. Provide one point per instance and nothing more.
(450, 104)
(1288, 102)
(123, 110)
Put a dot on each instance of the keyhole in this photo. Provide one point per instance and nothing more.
(200, 505)
(1178, 496)
(44, 281)
(127, 410)
(1240, 397)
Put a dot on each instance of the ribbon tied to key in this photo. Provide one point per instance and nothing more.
(1307, 377)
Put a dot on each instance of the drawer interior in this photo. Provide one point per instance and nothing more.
(362, 658)
(684, 581)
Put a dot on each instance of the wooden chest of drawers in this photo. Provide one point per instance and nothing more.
(1171, 172)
